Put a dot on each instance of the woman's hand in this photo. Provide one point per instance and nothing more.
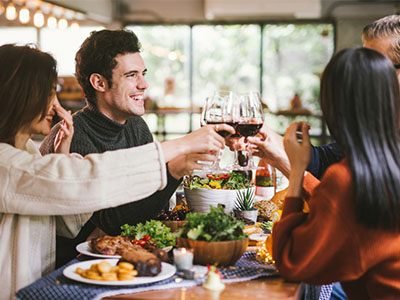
(62, 142)
(298, 149)
(206, 139)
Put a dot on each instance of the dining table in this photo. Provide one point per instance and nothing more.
(247, 279)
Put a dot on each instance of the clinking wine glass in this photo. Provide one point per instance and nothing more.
(251, 119)
(218, 111)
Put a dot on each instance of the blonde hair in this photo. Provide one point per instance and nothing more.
(386, 27)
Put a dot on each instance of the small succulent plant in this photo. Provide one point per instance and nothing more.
(245, 200)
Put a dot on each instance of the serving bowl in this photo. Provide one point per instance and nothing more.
(199, 200)
(174, 225)
(225, 253)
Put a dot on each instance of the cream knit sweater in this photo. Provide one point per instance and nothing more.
(36, 193)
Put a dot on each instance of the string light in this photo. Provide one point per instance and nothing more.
(1, 8)
(24, 15)
(51, 21)
(38, 18)
(39, 8)
(11, 12)
(74, 24)
(62, 23)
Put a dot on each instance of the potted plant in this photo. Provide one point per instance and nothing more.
(244, 205)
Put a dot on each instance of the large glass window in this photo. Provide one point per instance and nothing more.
(165, 50)
(293, 58)
(225, 57)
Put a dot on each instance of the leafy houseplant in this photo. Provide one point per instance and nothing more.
(244, 206)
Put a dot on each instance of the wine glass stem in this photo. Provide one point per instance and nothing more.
(218, 160)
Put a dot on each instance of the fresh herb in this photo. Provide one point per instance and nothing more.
(155, 229)
(245, 200)
(231, 181)
(212, 226)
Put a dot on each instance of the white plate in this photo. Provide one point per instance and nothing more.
(85, 248)
(258, 236)
(167, 271)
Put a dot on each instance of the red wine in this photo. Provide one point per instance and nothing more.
(234, 125)
(248, 129)
(222, 133)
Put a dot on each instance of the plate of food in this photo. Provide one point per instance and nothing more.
(109, 272)
(110, 247)
(86, 249)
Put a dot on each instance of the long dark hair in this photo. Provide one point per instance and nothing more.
(27, 81)
(97, 55)
(360, 102)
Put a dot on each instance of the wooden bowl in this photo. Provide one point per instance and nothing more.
(174, 225)
(225, 253)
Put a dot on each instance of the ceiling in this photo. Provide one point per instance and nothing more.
(121, 12)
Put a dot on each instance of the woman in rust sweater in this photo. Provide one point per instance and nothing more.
(351, 233)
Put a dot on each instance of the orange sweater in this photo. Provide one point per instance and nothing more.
(328, 245)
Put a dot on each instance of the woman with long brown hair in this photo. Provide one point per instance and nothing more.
(36, 192)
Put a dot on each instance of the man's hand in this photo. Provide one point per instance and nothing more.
(269, 146)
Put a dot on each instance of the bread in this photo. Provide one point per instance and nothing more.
(265, 208)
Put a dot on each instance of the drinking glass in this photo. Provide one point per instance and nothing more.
(218, 110)
(251, 119)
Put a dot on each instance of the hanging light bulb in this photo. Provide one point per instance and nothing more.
(11, 12)
(62, 23)
(52, 21)
(75, 24)
(2, 9)
(24, 15)
(38, 18)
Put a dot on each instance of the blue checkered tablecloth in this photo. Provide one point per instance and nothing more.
(56, 286)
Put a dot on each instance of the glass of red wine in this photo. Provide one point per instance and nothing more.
(218, 110)
(251, 119)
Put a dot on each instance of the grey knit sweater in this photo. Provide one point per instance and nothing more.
(95, 133)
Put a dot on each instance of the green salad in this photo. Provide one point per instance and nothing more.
(212, 226)
(231, 181)
(155, 229)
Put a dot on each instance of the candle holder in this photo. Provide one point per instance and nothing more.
(183, 258)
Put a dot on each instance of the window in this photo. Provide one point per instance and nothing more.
(225, 57)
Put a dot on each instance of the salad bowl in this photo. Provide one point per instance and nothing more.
(201, 192)
(223, 253)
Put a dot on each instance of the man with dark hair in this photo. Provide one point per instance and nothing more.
(111, 72)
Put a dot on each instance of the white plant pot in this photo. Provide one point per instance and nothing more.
(247, 214)
(199, 200)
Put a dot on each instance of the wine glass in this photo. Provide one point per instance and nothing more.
(218, 110)
(251, 119)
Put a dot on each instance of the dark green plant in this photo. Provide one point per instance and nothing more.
(245, 200)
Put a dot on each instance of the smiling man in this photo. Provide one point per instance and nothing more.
(111, 72)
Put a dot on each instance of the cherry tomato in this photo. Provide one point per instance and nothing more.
(146, 237)
(135, 241)
(142, 243)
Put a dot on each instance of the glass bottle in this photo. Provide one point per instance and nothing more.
(265, 180)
